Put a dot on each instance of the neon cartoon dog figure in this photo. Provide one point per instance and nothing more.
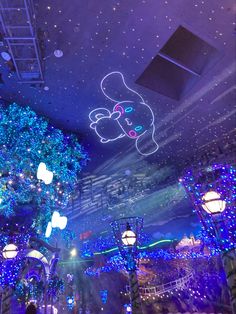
(134, 119)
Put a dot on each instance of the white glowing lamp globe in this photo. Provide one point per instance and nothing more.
(129, 238)
(213, 203)
(10, 251)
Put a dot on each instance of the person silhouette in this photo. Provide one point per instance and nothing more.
(31, 309)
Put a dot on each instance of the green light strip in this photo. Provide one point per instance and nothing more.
(139, 247)
(154, 244)
(107, 251)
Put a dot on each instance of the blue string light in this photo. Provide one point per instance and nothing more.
(26, 140)
(221, 179)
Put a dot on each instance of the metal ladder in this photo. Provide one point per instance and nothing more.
(18, 21)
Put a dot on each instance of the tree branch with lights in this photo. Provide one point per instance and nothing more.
(26, 140)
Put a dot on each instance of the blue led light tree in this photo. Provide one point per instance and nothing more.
(127, 233)
(26, 140)
(22, 261)
(28, 195)
(213, 193)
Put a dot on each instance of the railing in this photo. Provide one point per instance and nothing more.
(177, 284)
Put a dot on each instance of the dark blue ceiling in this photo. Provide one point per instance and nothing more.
(98, 37)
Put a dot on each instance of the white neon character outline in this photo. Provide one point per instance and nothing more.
(105, 113)
(123, 79)
(100, 116)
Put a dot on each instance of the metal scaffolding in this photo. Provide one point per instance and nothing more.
(19, 30)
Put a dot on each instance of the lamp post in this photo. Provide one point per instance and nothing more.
(212, 190)
(9, 270)
(21, 247)
(126, 232)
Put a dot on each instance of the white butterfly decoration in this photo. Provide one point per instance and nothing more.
(57, 221)
(44, 174)
(48, 230)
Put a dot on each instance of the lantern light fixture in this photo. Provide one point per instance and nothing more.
(129, 237)
(10, 251)
(213, 203)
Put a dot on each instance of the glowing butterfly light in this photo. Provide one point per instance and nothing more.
(43, 174)
(133, 119)
(57, 221)
(48, 230)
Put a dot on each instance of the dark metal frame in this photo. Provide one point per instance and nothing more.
(22, 38)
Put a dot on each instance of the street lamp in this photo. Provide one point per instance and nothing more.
(10, 251)
(212, 190)
(23, 245)
(126, 232)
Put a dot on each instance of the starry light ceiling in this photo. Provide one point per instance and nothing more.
(99, 37)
